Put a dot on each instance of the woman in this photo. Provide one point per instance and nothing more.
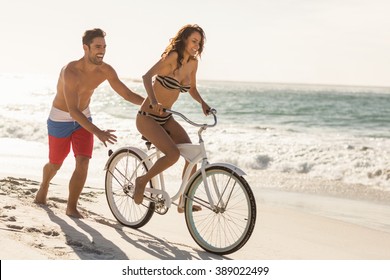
(174, 73)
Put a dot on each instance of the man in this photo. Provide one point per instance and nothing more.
(70, 122)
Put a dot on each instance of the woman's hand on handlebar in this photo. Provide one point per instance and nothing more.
(206, 109)
(212, 111)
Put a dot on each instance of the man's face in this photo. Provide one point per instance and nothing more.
(96, 50)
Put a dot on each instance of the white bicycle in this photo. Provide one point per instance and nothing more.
(228, 214)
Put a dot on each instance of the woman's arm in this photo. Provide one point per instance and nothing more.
(164, 65)
(194, 91)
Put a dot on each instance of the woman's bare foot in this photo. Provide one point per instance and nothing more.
(195, 208)
(40, 198)
(139, 190)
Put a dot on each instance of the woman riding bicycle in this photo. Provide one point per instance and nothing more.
(174, 73)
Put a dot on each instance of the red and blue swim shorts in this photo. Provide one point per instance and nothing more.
(66, 134)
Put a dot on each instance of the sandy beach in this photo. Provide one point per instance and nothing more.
(290, 226)
(334, 227)
(300, 219)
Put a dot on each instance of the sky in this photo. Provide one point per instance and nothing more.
(339, 42)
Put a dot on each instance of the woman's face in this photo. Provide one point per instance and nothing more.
(193, 43)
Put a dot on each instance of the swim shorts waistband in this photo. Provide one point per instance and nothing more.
(58, 115)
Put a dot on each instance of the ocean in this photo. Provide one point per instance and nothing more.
(339, 133)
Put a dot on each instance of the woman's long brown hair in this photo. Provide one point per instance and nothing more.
(178, 43)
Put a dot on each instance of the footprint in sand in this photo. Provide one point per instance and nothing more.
(59, 200)
(30, 191)
(8, 218)
(11, 219)
(50, 232)
(106, 222)
(32, 229)
(19, 181)
(16, 227)
(86, 248)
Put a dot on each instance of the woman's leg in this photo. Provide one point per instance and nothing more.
(180, 136)
(163, 141)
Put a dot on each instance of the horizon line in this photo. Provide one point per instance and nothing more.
(321, 84)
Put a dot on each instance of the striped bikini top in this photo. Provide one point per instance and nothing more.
(171, 83)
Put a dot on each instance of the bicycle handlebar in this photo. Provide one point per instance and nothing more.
(211, 112)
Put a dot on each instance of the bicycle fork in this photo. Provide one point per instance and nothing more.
(220, 204)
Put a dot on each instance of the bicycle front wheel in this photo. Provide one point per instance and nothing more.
(225, 228)
(121, 173)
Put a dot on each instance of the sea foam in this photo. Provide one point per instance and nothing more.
(254, 141)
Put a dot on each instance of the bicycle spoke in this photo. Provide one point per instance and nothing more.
(221, 203)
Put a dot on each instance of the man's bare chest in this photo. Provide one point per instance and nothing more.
(88, 84)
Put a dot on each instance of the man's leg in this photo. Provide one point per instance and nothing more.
(58, 150)
(49, 171)
(76, 185)
(82, 145)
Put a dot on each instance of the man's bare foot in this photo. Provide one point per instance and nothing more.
(74, 214)
(139, 190)
(40, 198)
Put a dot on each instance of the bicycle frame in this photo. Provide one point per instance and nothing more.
(228, 207)
(193, 153)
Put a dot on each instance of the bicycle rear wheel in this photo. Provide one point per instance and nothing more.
(229, 226)
(121, 173)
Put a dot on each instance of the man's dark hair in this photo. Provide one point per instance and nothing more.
(89, 35)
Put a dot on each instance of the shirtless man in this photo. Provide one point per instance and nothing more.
(70, 122)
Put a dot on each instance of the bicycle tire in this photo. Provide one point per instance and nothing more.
(118, 187)
(225, 231)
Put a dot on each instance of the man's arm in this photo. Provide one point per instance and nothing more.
(70, 88)
(122, 89)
